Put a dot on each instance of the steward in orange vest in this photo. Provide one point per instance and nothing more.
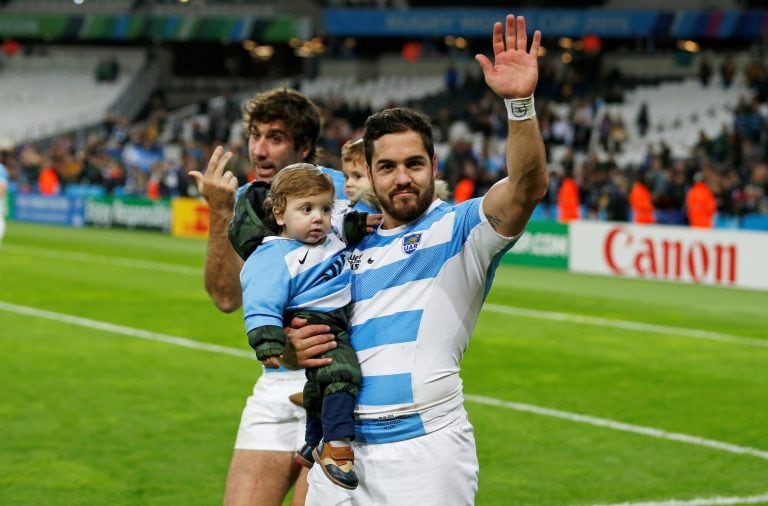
(701, 204)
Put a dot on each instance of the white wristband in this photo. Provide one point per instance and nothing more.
(520, 109)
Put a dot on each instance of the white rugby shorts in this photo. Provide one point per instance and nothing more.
(270, 421)
(438, 469)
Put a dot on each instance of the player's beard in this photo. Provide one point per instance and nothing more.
(406, 212)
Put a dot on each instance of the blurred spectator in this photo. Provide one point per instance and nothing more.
(568, 202)
(461, 152)
(451, 78)
(48, 182)
(617, 135)
(614, 203)
(641, 203)
(705, 70)
(643, 120)
(604, 131)
(700, 203)
(727, 70)
(465, 188)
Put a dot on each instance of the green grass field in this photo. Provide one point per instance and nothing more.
(583, 390)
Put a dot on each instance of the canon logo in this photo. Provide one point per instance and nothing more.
(629, 253)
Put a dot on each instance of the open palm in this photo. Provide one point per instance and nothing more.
(515, 71)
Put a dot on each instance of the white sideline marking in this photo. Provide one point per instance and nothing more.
(626, 325)
(528, 408)
(624, 427)
(131, 263)
(123, 330)
(495, 308)
(702, 501)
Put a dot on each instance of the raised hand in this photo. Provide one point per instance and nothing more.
(515, 71)
(217, 185)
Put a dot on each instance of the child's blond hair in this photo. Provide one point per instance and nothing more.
(353, 152)
(297, 180)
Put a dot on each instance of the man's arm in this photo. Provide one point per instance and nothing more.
(222, 264)
(513, 75)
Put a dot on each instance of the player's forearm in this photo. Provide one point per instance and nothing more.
(511, 201)
(526, 163)
(222, 265)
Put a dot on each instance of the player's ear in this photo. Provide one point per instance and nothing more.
(279, 219)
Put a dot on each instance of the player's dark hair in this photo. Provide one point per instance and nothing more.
(300, 116)
(397, 120)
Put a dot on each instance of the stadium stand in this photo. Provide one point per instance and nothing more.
(60, 89)
(588, 105)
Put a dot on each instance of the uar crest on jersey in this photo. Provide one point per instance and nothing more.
(411, 242)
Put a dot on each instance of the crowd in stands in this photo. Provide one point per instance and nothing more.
(152, 158)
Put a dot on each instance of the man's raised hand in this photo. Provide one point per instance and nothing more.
(217, 185)
(515, 71)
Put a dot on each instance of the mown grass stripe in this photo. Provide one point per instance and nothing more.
(528, 408)
(626, 325)
(495, 308)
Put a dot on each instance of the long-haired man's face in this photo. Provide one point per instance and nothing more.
(271, 148)
(402, 176)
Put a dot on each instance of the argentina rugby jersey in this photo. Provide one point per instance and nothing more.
(417, 292)
(283, 275)
(339, 208)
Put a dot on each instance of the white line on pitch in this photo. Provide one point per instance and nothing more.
(624, 427)
(625, 325)
(131, 263)
(572, 417)
(123, 330)
(701, 501)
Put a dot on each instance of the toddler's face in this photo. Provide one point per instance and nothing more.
(355, 179)
(307, 219)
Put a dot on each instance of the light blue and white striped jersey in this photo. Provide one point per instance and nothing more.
(417, 291)
(284, 275)
(340, 205)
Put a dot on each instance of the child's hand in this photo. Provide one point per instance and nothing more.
(372, 221)
(272, 362)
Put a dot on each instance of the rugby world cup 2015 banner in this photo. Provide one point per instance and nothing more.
(670, 253)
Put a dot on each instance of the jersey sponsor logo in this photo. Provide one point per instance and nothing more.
(411, 242)
(354, 261)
